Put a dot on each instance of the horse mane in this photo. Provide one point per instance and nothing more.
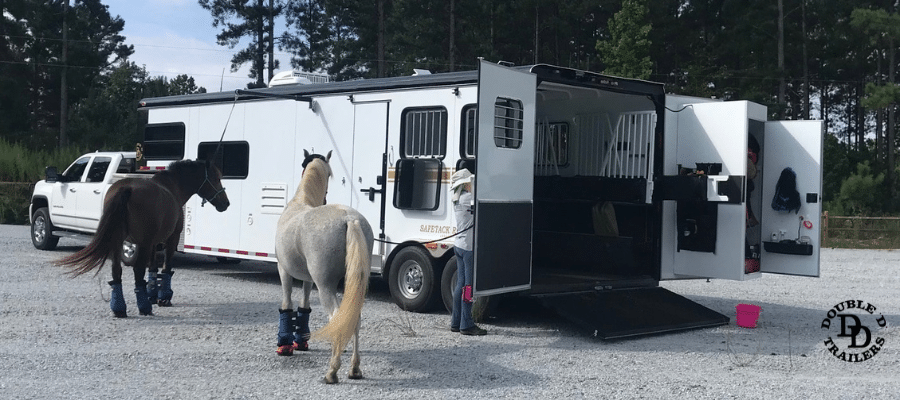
(182, 166)
(314, 183)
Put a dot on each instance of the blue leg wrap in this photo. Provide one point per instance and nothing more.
(143, 303)
(286, 320)
(301, 335)
(117, 300)
(164, 283)
(152, 295)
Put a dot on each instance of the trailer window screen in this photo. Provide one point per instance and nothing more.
(164, 141)
(233, 160)
(418, 184)
(509, 123)
(467, 131)
(423, 132)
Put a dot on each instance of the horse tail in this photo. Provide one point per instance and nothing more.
(345, 322)
(109, 237)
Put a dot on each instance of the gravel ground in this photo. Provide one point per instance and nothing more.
(59, 340)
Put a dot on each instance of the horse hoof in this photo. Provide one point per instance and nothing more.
(301, 346)
(164, 303)
(355, 375)
(120, 314)
(148, 313)
(330, 380)
(286, 350)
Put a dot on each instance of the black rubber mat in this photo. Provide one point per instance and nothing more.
(616, 314)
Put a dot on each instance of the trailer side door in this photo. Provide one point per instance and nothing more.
(504, 179)
(796, 145)
(710, 234)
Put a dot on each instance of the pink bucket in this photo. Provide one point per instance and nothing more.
(747, 315)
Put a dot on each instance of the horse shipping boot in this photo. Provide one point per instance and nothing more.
(117, 300)
(287, 325)
(301, 334)
(152, 294)
(144, 305)
(164, 283)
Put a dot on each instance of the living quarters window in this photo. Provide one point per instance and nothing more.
(233, 159)
(164, 141)
(419, 171)
(509, 123)
(423, 132)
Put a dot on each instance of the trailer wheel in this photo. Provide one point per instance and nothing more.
(448, 282)
(413, 280)
(42, 230)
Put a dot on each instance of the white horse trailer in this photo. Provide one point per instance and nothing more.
(590, 189)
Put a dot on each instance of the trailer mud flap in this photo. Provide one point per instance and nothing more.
(617, 314)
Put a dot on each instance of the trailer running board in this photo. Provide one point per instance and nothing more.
(625, 313)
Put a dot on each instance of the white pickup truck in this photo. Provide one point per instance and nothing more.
(70, 204)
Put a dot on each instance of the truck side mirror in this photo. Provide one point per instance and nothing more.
(52, 174)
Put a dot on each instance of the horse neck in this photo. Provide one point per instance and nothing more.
(312, 189)
(180, 186)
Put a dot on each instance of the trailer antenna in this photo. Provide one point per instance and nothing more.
(222, 137)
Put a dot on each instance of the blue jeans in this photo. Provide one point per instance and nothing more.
(461, 316)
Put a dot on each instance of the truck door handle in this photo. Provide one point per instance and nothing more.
(96, 191)
(72, 190)
(371, 191)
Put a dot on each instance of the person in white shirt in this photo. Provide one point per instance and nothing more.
(464, 207)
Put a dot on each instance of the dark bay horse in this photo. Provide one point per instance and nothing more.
(322, 244)
(147, 212)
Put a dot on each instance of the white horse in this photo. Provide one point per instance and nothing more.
(322, 244)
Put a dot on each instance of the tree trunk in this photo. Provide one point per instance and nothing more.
(782, 86)
(451, 58)
(380, 45)
(63, 84)
(271, 39)
(260, 44)
(805, 112)
(890, 126)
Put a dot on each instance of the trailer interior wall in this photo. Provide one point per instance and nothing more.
(592, 222)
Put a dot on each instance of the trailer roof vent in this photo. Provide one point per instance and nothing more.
(417, 72)
(298, 78)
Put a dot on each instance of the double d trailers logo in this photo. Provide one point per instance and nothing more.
(855, 342)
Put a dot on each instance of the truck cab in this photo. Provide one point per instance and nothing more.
(71, 202)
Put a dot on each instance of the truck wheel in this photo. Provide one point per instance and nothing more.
(448, 282)
(413, 280)
(129, 253)
(42, 230)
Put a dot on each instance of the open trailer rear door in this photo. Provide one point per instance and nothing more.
(504, 179)
(796, 145)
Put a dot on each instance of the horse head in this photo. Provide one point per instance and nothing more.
(211, 189)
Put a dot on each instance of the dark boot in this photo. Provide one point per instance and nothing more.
(144, 305)
(152, 294)
(301, 335)
(117, 300)
(164, 283)
(286, 327)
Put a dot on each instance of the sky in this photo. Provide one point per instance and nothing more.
(173, 37)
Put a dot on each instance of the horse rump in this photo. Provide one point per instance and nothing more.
(110, 234)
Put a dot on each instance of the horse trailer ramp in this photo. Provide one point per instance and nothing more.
(625, 313)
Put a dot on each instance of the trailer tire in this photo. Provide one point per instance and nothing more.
(42, 230)
(448, 282)
(413, 280)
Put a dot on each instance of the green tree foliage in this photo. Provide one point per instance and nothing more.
(626, 52)
(32, 66)
(251, 19)
(862, 193)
